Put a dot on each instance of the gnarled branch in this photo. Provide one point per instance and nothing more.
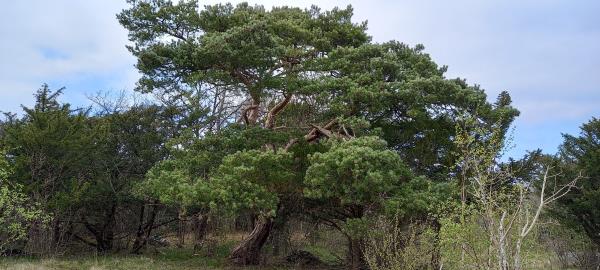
(270, 122)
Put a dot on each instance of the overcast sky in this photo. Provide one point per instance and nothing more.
(545, 53)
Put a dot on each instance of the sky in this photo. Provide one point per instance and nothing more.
(545, 53)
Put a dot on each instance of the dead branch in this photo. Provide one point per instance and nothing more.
(313, 134)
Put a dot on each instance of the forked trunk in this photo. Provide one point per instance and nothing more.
(103, 233)
(248, 251)
(144, 229)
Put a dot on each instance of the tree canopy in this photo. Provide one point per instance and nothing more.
(581, 154)
(299, 77)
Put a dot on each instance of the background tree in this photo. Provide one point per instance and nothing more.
(82, 168)
(49, 148)
(17, 212)
(582, 154)
(128, 144)
(499, 204)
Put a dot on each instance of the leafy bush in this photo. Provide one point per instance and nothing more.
(17, 212)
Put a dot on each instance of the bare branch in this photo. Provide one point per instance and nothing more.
(270, 122)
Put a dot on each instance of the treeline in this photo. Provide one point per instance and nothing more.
(262, 118)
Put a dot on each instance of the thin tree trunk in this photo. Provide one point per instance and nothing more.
(181, 230)
(355, 254)
(200, 228)
(517, 265)
(56, 233)
(248, 251)
(144, 229)
(139, 234)
(104, 234)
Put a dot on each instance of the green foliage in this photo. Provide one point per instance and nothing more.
(49, 147)
(182, 180)
(169, 184)
(402, 92)
(421, 198)
(464, 242)
(355, 172)
(254, 180)
(581, 154)
(222, 43)
(81, 167)
(356, 227)
(16, 215)
(5, 169)
(17, 211)
(351, 181)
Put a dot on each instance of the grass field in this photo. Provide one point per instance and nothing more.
(163, 259)
(168, 259)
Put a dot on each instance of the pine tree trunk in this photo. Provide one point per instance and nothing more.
(248, 251)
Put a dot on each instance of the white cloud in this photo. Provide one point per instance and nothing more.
(535, 112)
(59, 41)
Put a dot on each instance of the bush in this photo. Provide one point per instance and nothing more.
(17, 214)
(393, 246)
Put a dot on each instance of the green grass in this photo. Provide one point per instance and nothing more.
(170, 260)
(209, 257)
(180, 259)
(324, 254)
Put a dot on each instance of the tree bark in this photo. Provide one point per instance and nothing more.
(144, 229)
(103, 233)
(248, 251)
(200, 228)
(355, 254)
(181, 230)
